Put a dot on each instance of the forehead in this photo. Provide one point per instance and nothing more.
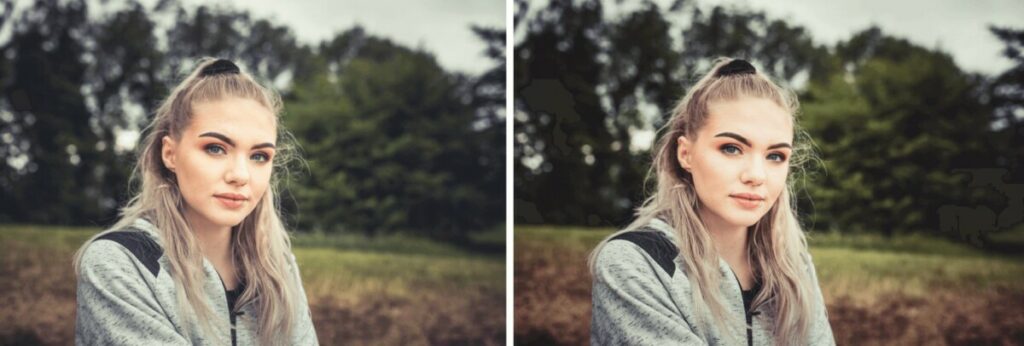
(243, 120)
(757, 119)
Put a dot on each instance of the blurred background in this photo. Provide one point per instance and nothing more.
(398, 208)
(916, 109)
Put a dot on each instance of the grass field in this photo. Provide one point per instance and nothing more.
(387, 290)
(908, 290)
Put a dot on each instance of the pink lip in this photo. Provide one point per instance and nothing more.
(748, 196)
(231, 200)
(747, 200)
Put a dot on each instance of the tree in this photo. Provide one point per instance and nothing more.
(562, 167)
(1007, 100)
(390, 143)
(123, 87)
(487, 140)
(266, 50)
(46, 126)
(587, 82)
(891, 130)
(394, 141)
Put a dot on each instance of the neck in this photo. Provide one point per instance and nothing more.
(214, 240)
(730, 240)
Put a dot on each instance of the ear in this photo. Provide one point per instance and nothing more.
(683, 152)
(167, 152)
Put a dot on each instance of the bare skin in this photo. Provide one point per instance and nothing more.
(739, 163)
(223, 165)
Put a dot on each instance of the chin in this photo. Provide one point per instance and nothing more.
(745, 218)
(227, 219)
(744, 222)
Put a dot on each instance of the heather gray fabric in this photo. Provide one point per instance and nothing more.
(637, 302)
(121, 301)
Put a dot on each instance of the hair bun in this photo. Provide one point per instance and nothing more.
(218, 67)
(737, 66)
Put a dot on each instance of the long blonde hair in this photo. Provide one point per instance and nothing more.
(260, 244)
(776, 246)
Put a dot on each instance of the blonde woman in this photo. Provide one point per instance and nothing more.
(715, 255)
(200, 255)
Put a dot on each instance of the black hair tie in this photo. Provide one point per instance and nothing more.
(219, 67)
(737, 66)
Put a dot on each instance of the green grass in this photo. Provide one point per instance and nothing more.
(494, 236)
(862, 266)
(1012, 239)
(865, 266)
(348, 273)
(911, 243)
(396, 244)
(395, 289)
(61, 238)
(904, 290)
(399, 265)
(577, 238)
(346, 265)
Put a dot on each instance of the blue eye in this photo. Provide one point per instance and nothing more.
(777, 157)
(215, 149)
(260, 157)
(730, 149)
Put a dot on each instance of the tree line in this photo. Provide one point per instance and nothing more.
(391, 141)
(897, 127)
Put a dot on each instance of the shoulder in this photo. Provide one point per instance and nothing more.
(640, 250)
(808, 263)
(292, 264)
(122, 248)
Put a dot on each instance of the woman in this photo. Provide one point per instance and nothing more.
(716, 255)
(200, 255)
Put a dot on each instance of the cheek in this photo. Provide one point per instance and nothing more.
(709, 176)
(260, 180)
(777, 181)
(713, 170)
(193, 172)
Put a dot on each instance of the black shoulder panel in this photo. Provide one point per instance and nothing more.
(657, 245)
(145, 249)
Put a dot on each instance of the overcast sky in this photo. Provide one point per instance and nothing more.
(958, 27)
(440, 26)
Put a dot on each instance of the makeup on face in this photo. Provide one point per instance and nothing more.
(748, 200)
(740, 159)
(232, 197)
(224, 160)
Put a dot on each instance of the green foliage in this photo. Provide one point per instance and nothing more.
(389, 146)
(1006, 97)
(585, 84)
(892, 121)
(46, 118)
(338, 265)
(890, 131)
(393, 141)
(860, 266)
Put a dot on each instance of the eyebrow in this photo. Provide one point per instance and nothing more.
(232, 143)
(747, 143)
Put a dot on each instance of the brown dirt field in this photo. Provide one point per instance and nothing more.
(552, 307)
(37, 307)
(463, 318)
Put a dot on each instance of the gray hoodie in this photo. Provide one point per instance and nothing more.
(641, 296)
(127, 297)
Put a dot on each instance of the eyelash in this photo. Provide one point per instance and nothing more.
(216, 149)
(265, 157)
(724, 149)
(212, 147)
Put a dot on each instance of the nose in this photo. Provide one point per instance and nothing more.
(238, 172)
(754, 174)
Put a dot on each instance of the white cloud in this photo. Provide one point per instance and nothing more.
(441, 27)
